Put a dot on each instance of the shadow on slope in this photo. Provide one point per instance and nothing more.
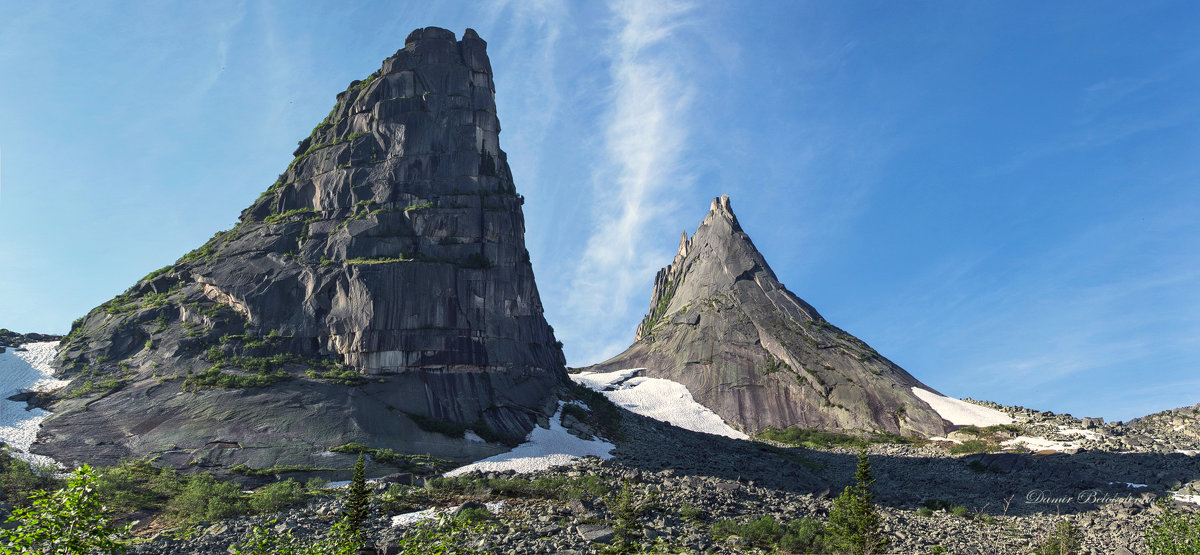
(906, 477)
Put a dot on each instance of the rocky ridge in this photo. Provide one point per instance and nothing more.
(1167, 432)
(12, 339)
(378, 292)
(722, 324)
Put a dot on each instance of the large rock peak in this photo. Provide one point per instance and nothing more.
(380, 285)
(721, 323)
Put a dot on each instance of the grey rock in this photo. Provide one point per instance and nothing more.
(14, 339)
(596, 533)
(723, 325)
(387, 266)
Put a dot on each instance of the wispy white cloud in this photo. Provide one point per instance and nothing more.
(223, 31)
(532, 65)
(644, 142)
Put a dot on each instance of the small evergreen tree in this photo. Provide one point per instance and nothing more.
(854, 526)
(627, 510)
(1064, 540)
(357, 501)
(69, 521)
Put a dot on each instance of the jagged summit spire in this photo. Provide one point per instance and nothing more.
(722, 324)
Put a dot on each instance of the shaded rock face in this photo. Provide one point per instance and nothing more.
(379, 292)
(721, 324)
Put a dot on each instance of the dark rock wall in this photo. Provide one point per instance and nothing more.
(390, 253)
(721, 324)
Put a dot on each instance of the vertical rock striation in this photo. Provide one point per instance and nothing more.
(756, 354)
(379, 292)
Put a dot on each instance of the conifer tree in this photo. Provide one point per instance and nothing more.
(854, 526)
(357, 501)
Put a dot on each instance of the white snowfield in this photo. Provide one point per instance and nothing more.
(21, 371)
(543, 448)
(962, 413)
(659, 399)
(1087, 434)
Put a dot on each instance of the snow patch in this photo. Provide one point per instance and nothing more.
(542, 449)
(1130, 484)
(407, 519)
(473, 437)
(940, 438)
(1194, 498)
(962, 413)
(1040, 443)
(657, 398)
(605, 381)
(28, 370)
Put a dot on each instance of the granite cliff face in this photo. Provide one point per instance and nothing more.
(379, 292)
(721, 324)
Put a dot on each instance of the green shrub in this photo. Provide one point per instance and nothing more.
(547, 487)
(415, 463)
(263, 540)
(278, 495)
(204, 498)
(19, 479)
(290, 215)
(418, 206)
(379, 260)
(810, 437)
(691, 512)
(444, 536)
(1064, 540)
(581, 414)
(1173, 533)
(137, 485)
(803, 535)
(605, 415)
(69, 521)
(474, 514)
(925, 511)
(762, 531)
(214, 377)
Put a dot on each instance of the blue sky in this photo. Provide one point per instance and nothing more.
(1001, 197)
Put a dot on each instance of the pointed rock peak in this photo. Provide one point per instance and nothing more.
(380, 285)
(722, 324)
